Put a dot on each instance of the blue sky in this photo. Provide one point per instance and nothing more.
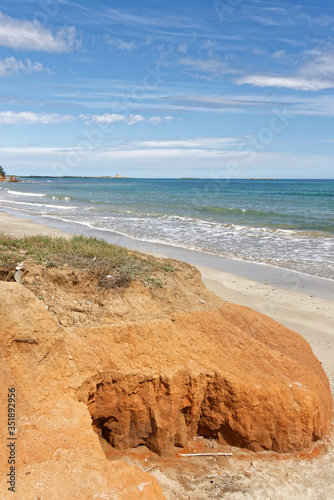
(242, 88)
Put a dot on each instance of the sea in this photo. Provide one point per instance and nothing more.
(284, 223)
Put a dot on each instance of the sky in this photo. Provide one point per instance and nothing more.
(214, 89)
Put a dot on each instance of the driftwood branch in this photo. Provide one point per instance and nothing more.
(27, 341)
(205, 454)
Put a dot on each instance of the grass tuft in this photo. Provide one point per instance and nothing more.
(114, 266)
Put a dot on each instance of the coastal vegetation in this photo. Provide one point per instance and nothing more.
(114, 266)
(2, 172)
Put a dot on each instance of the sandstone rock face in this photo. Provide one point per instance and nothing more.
(58, 455)
(226, 372)
(231, 374)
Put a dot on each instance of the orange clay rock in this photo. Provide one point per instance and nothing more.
(232, 374)
(225, 372)
(57, 452)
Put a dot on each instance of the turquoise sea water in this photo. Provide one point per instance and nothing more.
(285, 223)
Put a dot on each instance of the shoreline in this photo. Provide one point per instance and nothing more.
(19, 226)
(294, 305)
(268, 274)
(310, 316)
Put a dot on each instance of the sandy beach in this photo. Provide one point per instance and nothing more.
(310, 316)
(19, 227)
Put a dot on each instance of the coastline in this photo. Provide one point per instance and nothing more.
(310, 316)
(289, 300)
(268, 274)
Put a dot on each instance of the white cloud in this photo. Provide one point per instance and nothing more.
(182, 48)
(321, 65)
(155, 154)
(279, 54)
(134, 20)
(11, 66)
(27, 117)
(209, 44)
(113, 118)
(316, 74)
(135, 119)
(295, 83)
(131, 119)
(31, 35)
(157, 119)
(107, 118)
(319, 105)
(120, 44)
(198, 142)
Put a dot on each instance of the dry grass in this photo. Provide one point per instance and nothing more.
(114, 266)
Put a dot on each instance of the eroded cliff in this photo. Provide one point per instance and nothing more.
(145, 365)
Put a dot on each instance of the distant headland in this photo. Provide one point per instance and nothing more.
(117, 176)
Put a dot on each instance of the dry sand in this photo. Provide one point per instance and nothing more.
(310, 316)
(18, 227)
(252, 478)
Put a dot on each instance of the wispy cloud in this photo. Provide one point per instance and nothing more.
(170, 161)
(31, 35)
(158, 119)
(11, 66)
(322, 105)
(179, 98)
(106, 118)
(27, 117)
(132, 119)
(295, 83)
(117, 43)
(212, 67)
(288, 15)
(221, 102)
(166, 21)
(279, 54)
(113, 118)
(293, 43)
(155, 120)
(199, 142)
(316, 74)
